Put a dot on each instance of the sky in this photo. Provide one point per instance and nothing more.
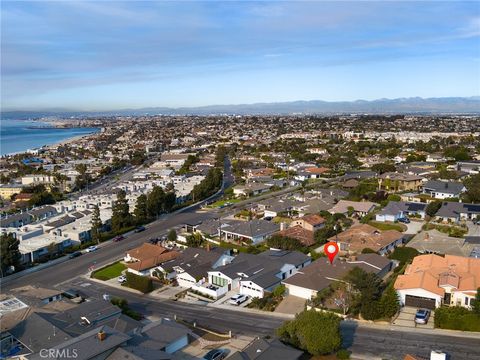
(107, 55)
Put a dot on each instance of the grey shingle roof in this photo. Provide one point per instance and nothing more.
(251, 228)
(261, 349)
(447, 187)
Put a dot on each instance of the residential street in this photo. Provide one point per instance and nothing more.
(371, 342)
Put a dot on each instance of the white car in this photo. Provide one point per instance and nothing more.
(238, 299)
(122, 279)
(92, 249)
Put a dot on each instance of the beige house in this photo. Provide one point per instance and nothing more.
(392, 181)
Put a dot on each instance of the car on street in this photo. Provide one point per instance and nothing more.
(216, 354)
(404, 220)
(118, 238)
(140, 229)
(238, 299)
(421, 316)
(74, 255)
(92, 248)
(122, 279)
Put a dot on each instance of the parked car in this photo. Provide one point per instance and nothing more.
(216, 354)
(404, 220)
(118, 238)
(140, 229)
(92, 248)
(153, 241)
(122, 279)
(238, 299)
(422, 315)
(74, 255)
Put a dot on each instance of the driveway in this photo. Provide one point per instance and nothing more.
(406, 318)
(473, 230)
(291, 305)
(414, 227)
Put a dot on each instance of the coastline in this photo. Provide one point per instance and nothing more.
(54, 144)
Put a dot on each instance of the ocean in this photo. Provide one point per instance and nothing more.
(17, 135)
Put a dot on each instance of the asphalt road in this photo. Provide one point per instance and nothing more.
(363, 340)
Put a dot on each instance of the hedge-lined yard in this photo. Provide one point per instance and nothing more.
(138, 282)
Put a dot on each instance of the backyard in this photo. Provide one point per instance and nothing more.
(387, 226)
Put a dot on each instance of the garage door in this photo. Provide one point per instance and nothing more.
(420, 302)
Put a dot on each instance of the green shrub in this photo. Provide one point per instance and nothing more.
(343, 354)
(138, 282)
(404, 255)
(457, 318)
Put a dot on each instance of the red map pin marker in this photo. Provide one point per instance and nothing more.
(331, 249)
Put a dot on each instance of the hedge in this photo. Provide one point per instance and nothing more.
(138, 282)
(457, 318)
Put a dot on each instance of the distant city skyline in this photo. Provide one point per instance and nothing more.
(109, 55)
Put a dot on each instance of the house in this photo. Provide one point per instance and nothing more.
(164, 335)
(399, 209)
(254, 275)
(36, 296)
(392, 181)
(250, 189)
(443, 189)
(147, 258)
(193, 264)
(261, 349)
(311, 173)
(359, 208)
(363, 236)
(436, 242)
(254, 231)
(310, 222)
(276, 207)
(432, 280)
(307, 282)
(304, 236)
(98, 344)
(456, 212)
(8, 190)
(469, 166)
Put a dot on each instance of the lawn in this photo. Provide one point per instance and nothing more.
(387, 226)
(109, 272)
(219, 203)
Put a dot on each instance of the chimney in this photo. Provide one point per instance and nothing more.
(101, 335)
(283, 226)
(208, 245)
(427, 236)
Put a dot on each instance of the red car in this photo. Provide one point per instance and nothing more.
(118, 238)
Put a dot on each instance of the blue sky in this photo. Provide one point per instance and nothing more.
(111, 55)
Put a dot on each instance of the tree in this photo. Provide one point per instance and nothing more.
(121, 217)
(195, 240)
(155, 202)
(383, 168)
(279, 291)
(433, 207)
(96, 224)
(389, 303)
(172, 235)
(472, 184)
(141, 211)
(9, 253)
(369, 286)
(170, 201)
(316, 332)
(284, 242)
(476, 303)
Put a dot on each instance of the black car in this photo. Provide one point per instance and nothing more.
(404, 220)
(216, 354)
(153, 241)
(140, 229)
(74, 255)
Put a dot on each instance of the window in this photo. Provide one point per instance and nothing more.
(216, 280)
(466, 300)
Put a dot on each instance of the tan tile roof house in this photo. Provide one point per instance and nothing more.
(361, 236)
(304, 236)
(148, 256)
(434, 280)
(360, 207)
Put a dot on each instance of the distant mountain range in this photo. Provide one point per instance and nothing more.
(446, 105)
